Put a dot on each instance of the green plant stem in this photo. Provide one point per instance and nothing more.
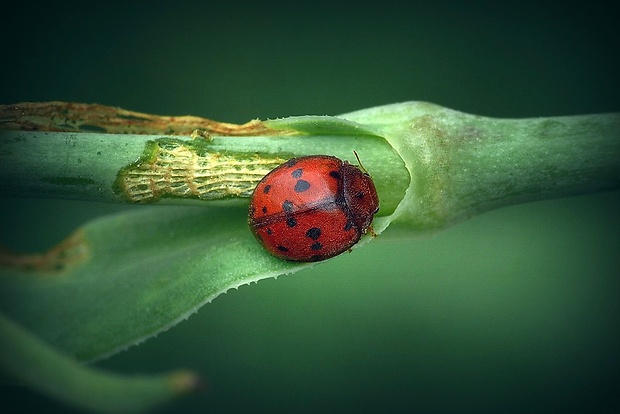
(462, 165)
(65, 165)
(35, 364)
(434, 167)
(540, 158)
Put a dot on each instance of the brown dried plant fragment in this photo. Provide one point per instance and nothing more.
(80, 117)
(64, 256)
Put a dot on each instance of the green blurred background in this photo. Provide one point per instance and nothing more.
(514, 311)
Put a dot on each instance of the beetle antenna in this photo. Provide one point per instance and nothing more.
(360, 162)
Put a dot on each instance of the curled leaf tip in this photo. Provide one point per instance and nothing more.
(186, 382)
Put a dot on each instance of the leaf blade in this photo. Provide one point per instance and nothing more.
(147, 270)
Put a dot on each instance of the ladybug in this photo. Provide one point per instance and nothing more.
(312, 208)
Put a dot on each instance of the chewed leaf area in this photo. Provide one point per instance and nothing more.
(176, 168)
(63, 257)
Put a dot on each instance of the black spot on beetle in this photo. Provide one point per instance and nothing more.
(264, 210)
(359, 195)
(348, 226)
(291, 162)
(314, 233)
(335, 174)
(266, 189)
(291, 222)
(282, 248)
(287, 206)
(269, 231)
(316, 246)
(297, 173)
(301, 186)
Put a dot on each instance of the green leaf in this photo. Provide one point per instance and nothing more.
(321, 125)
(125, 277)
(33, 363)
(163, 169)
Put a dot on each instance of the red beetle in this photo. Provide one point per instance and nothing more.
(312, 208)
